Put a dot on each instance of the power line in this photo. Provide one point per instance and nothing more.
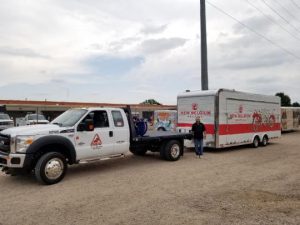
(254, 31)
(295, 4)
(280, 15)
(272, 20)
(285, 9)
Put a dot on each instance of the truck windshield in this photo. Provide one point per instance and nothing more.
(69, 118)
(4, 117)
(35, 117)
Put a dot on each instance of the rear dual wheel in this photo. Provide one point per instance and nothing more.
(171, 150)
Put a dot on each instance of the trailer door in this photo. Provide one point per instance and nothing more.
(192, 106)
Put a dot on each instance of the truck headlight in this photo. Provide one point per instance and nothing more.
(13, 144)
(23, 142)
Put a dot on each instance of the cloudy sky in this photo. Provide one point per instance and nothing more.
(128, 51)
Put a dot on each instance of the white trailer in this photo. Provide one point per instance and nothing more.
(290, 118)
(231, 118)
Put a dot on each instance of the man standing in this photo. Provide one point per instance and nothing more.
(199, 132)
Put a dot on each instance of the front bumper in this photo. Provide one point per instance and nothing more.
(12, 160)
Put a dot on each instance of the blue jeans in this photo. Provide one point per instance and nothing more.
(199, 146)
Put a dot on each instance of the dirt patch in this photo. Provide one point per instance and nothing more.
(239, 186)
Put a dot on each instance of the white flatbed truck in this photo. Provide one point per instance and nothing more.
(80, 135)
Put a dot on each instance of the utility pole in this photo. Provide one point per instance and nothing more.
(204, 73)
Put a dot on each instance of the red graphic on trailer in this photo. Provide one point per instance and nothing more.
(96, 141)
(272, 120)
(257, 120)
(241, 109)
(195, 106)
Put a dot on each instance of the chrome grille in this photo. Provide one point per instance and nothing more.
(4, 143)
(5, 123)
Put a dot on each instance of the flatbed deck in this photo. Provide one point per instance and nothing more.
(169, 144)
(161, 135)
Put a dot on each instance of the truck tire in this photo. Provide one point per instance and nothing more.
(172, 150)
(265, 141)
(139, 152)
(255, 143)
(51, 168)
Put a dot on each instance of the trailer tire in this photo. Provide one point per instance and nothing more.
(161, 129)
(139, 152)
(265, 141)
(172, 150)
(51, 168)
(255, 143)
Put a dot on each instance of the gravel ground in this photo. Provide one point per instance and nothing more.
(236, 186)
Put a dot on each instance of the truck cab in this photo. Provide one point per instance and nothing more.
(99, 133)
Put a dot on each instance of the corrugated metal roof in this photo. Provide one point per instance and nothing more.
(79, 104)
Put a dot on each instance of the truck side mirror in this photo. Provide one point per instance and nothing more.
(87, 125)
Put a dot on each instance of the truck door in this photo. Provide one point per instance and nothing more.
(96, 143)
(120, 132)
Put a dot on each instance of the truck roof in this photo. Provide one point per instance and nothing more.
(98, 108)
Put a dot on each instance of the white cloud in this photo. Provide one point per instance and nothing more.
(46, 41)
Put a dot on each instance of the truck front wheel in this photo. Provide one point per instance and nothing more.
(172, 150)
(51, 168)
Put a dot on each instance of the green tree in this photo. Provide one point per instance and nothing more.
(296, 104)
(150, 102)
(285, 99)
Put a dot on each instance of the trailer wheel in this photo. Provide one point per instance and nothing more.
(161, 129)
(265, 141)
(51, 168)
(172, 150)
(255, 143)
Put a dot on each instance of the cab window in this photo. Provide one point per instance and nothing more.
(99, 118)
(118, 119)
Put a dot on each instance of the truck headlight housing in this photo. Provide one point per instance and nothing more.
(23, 142)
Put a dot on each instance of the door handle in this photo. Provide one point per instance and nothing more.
(111, 133)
